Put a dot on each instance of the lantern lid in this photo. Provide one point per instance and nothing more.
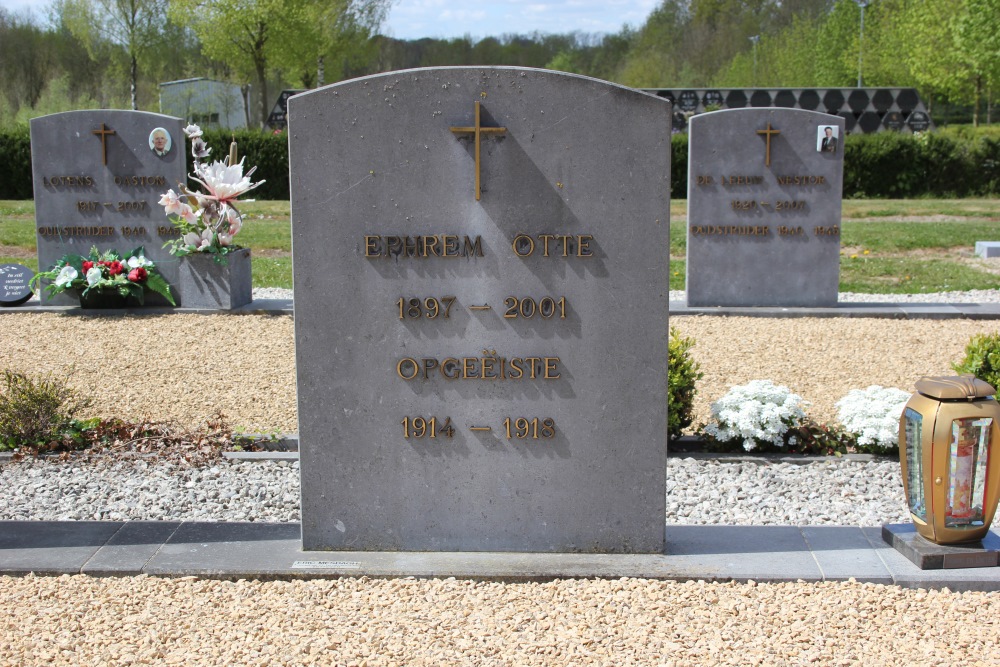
(955, 388)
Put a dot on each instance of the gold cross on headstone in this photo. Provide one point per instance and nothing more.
(768, 133)
(103, 133)
(478, 130)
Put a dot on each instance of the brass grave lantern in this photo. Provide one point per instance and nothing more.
(949, 450)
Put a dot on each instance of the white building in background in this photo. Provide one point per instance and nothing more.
(205, 102)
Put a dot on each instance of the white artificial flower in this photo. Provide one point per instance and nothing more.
(171, 202)
(93, 276)
(224, 183)
(225, 240)
(67, 275)
(137, 261)
(192, 239)
(192, 131)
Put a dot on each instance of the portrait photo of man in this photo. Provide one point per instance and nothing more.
(826, 139)
(159, 141)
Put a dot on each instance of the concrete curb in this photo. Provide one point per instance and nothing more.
(268, 551)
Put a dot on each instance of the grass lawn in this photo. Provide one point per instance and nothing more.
(887, 246)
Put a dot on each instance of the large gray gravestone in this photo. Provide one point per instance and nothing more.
(531, 319)
(98, 177)
(764, 202)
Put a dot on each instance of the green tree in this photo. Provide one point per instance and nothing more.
(249, 36)
(134, 25)
(977, 38)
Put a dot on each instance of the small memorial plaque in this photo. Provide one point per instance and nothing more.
(764, 198)
(14, 284)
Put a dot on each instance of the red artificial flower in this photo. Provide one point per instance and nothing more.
(87, 266)
(138, 274)
(115, 267)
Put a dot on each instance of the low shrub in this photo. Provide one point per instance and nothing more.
(872, 416)
(982, 359)
(682, 374)
(39, 413)
(756, 415)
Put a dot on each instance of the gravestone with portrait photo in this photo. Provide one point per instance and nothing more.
(764, 206)
(481, 293)
(98, 176)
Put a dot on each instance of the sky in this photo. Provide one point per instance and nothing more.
(412, 19)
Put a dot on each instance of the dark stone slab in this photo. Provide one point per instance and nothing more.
(577, 156)
(843, 552)
(14, 280)
(908, 575)
(228, 549)
(51, 547)
(929, 556)
(761, 553)
(128, 550)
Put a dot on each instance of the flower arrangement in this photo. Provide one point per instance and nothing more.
(873, 415)
(208, 221)
(759, 413)
(107, 273)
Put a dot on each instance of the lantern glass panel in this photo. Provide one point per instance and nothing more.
(914, 463)
(970, 440)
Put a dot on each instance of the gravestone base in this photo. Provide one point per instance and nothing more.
(203, 282)
(926, 555)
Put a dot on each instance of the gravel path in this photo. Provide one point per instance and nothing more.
(353, 622)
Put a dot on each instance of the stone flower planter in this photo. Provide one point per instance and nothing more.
(203, 282)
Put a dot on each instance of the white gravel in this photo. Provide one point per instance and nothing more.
(834, 492)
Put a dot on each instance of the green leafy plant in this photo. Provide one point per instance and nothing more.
(129, 276)
(982, 359)
(682, 374)
(39, 413)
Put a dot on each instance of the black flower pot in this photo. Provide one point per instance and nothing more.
(107, 299)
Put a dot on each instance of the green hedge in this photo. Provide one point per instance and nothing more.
(885, 165)
(15, 163)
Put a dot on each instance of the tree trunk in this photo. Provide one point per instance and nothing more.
(320, 72)
(975, 104)
(133, 73)
(262, 83)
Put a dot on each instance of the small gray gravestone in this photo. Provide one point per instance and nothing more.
(98, 177)
(14, 284)
(480, 264)
(764, 202)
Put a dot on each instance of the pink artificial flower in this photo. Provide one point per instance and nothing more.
(171, 203)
